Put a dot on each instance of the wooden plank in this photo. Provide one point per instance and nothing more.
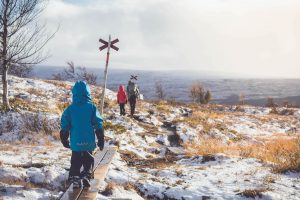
(73, 194)
(176, 150)
(99, 176)
(99, 157)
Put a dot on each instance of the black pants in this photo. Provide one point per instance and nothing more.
(79, 159)
(132, 101)
(122, 108)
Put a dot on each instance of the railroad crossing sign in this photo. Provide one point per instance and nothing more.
(105, 44)
(108, 45)
(133, 77)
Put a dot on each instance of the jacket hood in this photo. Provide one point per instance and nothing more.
(121, 88)
(81, 92)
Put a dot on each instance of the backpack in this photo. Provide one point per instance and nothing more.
(132, 89)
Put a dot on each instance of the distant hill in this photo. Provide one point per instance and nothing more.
(177, 84)
(234, 99)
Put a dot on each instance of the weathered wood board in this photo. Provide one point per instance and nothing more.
(99, 176)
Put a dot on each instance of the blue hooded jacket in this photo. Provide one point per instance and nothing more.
(81, 118)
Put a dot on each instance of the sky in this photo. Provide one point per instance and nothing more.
(255, 38)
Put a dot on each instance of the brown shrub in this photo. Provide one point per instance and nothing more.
(8, 126)
(40, 123)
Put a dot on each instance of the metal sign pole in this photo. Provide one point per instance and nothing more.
(108, 45)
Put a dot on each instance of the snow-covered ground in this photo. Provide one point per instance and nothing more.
(151, 162)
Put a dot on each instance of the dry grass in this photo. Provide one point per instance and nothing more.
(58, 83)
(155, 163)
(163, 106)
(282, 152)
(34, 106)
(129, 186)
(205, 147)
(197, 118)
(36, 165)
(62, 106)
(108, 104)
(20, 103)
(253, 193)
(35, 92)
(201, 118)
(56, 135)
(117, 128)
(108, 191)
(26, 185)
(285, 153)
(269, 179)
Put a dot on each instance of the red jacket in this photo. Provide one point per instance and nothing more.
(121, 96)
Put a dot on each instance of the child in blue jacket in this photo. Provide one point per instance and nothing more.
(82, 121)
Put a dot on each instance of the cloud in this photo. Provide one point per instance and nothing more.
(255, 37)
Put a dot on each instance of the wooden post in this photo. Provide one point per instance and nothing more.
(105, 77)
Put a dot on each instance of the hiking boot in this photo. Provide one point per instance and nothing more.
(86, 182)
(76, 182)
(86, 178)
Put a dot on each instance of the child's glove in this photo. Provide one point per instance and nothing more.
(66, 144)
(64, 138)
(100, 136)
(100, 145)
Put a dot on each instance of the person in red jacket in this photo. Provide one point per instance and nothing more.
(122, 99)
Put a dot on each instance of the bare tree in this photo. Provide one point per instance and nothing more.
(69, 72)
(270, 103)
(242, 99)
(197, 93)
(73, 73)
(58, 76)
(20, 70)
(90, 78)
(207, 97)
(159, 90)
(22, 37)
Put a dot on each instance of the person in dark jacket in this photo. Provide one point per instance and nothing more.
(133, 94)
(81, 121)
(122, 99)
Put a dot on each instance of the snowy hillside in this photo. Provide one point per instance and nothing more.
(167, 151)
